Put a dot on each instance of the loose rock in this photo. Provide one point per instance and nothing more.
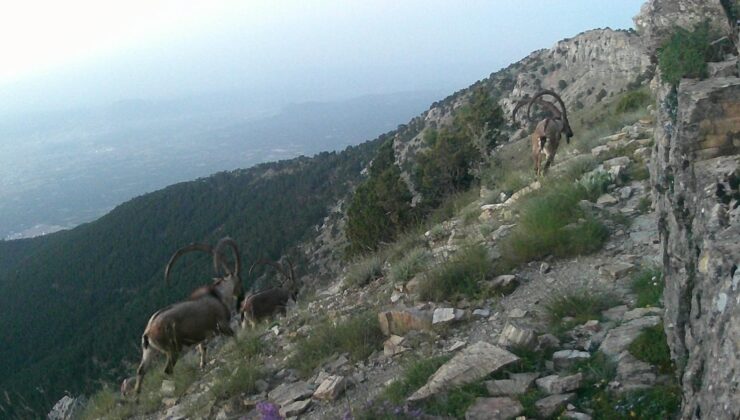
(493, 409)
(555, 384)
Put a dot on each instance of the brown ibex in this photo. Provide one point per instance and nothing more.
(187, 323)
(268, 302)
(547, 133)
(205, 314)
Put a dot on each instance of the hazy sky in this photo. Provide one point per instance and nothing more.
(58, 54)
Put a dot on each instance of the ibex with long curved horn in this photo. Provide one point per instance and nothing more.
(192, 322)
(269, 302)
(547, 133)
(230, 285)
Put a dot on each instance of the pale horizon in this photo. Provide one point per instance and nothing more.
(87, 53)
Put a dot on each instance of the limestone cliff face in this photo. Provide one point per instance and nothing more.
(657, 18)
(696, 175)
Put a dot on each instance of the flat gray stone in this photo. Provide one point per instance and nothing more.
(445, 315)
(616, 313)
(564, 359)
(331, 388)
(606, 200)
(515, 336)
(286, 393)
(616, 270)
(618, 339)
(295, 408)
(641, 312)
(494, 409)
(555, 384)
(515, 385)
(469, 365)
(552, 404)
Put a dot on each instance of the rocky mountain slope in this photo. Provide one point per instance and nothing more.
(602, 291)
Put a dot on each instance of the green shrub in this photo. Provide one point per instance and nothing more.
(105, 403)
(595, 183)
(241, 368)
(643, 206)
(380, 208)
(456, 401)
(651, 346)
(460, 275)
(659, 402)
(415, 375)
(412, 263)
(634, 100)
(648, 284)
(549, 225)
(582, 306)
(528, 400)
(685, 54)
(364, 271)
(358, 336)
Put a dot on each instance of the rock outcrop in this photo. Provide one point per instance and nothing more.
(696, 175)
(657, 18)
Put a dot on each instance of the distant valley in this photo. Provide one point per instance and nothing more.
(60, 170)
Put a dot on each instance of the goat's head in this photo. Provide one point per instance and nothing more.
(559, 114)
(230, 284)
(289, 282)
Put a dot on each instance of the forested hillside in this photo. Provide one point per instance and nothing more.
(73, 304)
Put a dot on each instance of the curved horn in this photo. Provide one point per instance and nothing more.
(518, 106)
(195, 246)
(276, 266)
(217, 256)
(563, 115)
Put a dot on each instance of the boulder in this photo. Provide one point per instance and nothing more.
(469, 365)
(564, 359)
(296, 408)
(616, 270)
(555, 384)
(517, 384)
(606, 200)
(548, 406)
(401, 321)
(331, 388)
(618, 339)
(393, 346)
(446, 315)
(494, 409)
(67, 408)
(515, 336)
(286, 393)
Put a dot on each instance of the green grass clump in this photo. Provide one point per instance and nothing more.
(651, 346)
(364, 271)
(358, 336)
(648, 285)
(413, 262)
(241, 369)
(415, 375)
(581, 306)
(634, 100)
(456, 401)
(106, 403)
(528, 400)
(659, 402)
(685, 54)
(460, 276)
(549, 225)
(643, 206)
(597, 372)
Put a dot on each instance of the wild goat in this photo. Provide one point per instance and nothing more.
(205, 314)
(547, 133)
(187, 323)
(230, 285)
(268, 302)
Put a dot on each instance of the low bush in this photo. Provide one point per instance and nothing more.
(364, 271)
(651, 346)
(582, 306)
(634, 100)
(359, 336)
(412, 263)
(550, 225)
(648, 285)
(460, 276)
(685, 54)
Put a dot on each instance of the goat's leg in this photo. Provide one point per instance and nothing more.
(171, 360)
(202, 350)
(146, 357)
